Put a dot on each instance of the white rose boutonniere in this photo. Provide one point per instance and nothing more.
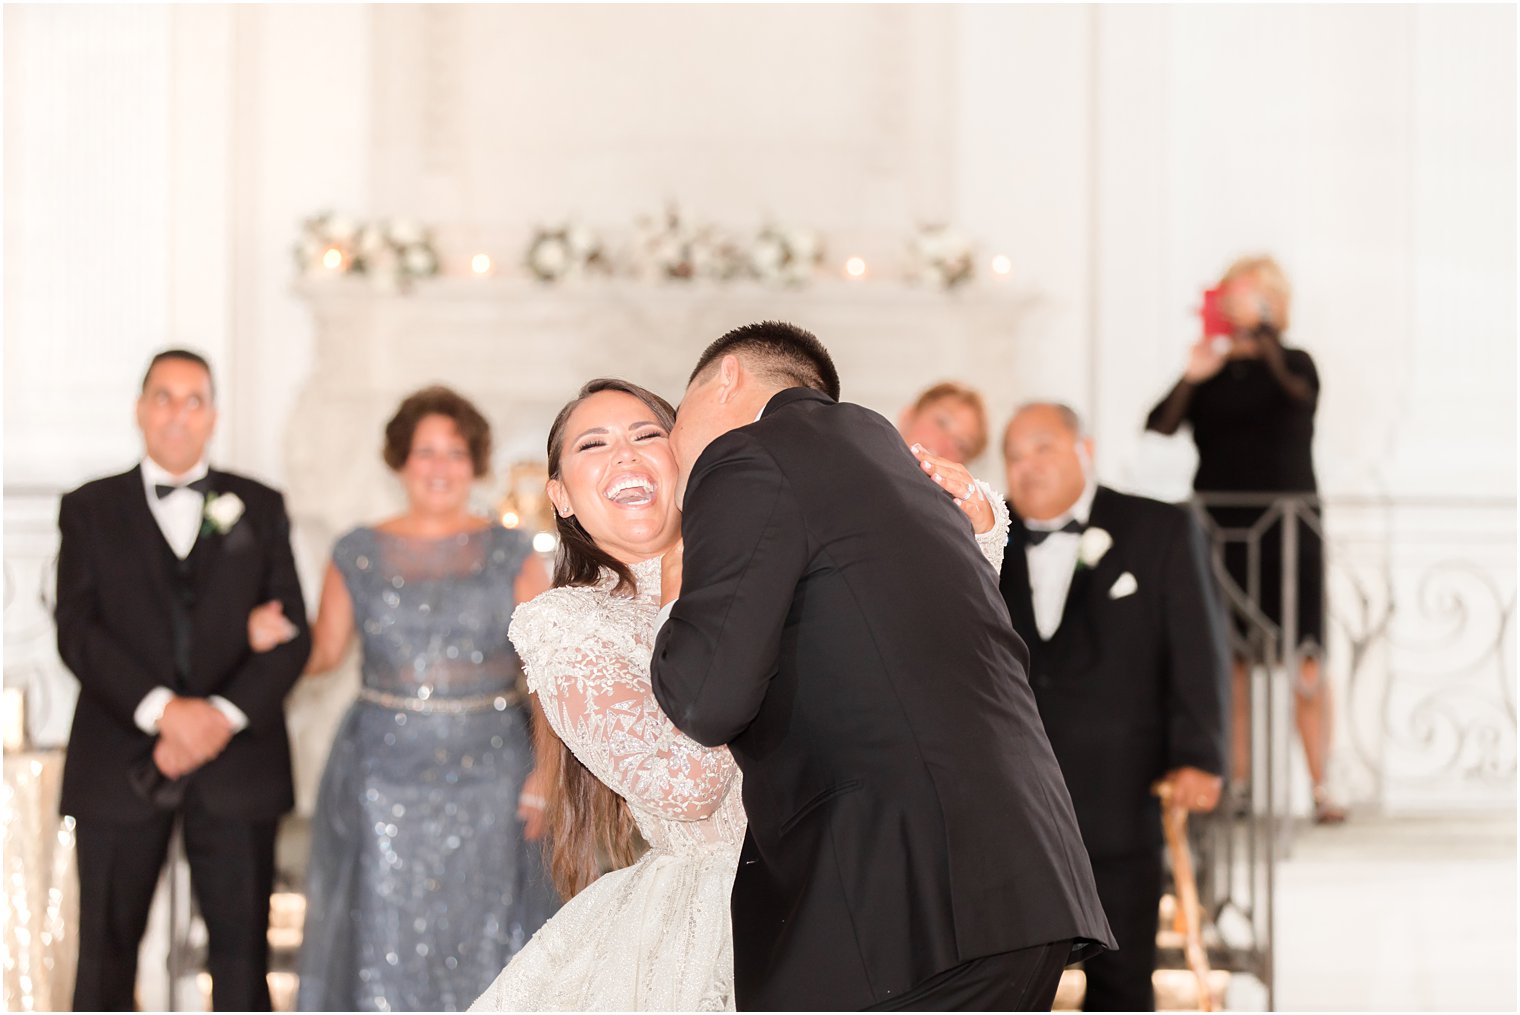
(1091, 547)
(222, 512)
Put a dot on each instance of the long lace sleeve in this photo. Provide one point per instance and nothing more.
(995, 540)
(592, 680)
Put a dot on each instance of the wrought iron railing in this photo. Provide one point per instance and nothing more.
(1419, 602)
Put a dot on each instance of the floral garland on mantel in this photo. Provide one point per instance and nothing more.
(391, 253)
(667, 247)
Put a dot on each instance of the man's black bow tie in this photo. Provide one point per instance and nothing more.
(200, 486)
(1034, 537)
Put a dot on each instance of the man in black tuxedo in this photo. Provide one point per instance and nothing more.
(910, 843)
(1127, 659)
(158, 571)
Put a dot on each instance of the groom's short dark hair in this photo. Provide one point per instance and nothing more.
(783, 352)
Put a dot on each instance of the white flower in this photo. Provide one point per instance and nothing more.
(668, 251)
(550, 258)
(705, 260)
(580, 240)
(1092, 545)
(223, 511)
(371, 240)
(405, 232)
(767, 256)
(419, 261)
(804, 244)
(341, 229)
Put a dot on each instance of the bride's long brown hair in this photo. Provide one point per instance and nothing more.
(587, 822)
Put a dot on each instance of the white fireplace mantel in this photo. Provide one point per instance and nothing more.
(521, 348)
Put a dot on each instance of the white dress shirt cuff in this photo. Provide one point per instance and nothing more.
(151, 709)
(234, 715)
(664, 615)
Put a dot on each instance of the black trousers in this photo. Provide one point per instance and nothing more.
(1130, 889)
(231, 873)
(1021, 980)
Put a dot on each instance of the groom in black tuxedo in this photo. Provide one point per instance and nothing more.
(1127, 659)
(911, 844)
(158, 571)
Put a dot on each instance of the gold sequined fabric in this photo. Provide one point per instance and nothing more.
(41, 909)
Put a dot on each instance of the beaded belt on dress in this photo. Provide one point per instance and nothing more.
(448, 706)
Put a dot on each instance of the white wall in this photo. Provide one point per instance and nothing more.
(1127, 154)
(158, 161)
(89, 243)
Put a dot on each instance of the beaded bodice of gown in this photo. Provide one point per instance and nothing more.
(586, 652)
(430, 612)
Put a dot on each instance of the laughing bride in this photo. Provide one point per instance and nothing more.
(653, 934)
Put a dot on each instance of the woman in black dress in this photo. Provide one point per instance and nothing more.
(1250, 402)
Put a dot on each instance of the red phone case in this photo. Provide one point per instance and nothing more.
(1214, 320)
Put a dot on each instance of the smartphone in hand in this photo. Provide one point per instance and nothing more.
(1215, 323)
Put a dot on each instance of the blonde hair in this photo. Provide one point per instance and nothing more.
(967, 396)
(1274, 285)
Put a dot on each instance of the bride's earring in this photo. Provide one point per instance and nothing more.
(563, 510)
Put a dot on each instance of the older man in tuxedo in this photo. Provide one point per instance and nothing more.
(159, 569)
(1127, 661)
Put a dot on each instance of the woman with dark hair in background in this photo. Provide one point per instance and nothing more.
(422, 882)
(1250, 402)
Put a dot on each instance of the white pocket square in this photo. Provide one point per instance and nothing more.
(1125, 586)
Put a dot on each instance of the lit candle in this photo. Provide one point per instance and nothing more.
(480, 264)
(855, 267)
(332, 259)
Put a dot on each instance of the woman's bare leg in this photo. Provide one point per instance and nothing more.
(1313, 716)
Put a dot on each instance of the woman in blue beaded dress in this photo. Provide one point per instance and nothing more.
(423, 878)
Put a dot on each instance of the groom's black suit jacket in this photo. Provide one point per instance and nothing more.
(1129, 687)
(838, 627)
(117, 631)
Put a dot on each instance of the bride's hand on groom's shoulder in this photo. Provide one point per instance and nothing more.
(670, 572)
(956, 480)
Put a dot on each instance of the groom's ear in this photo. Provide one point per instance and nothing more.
(730, 371)
(556, 491)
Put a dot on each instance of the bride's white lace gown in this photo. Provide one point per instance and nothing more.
(654, 936)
